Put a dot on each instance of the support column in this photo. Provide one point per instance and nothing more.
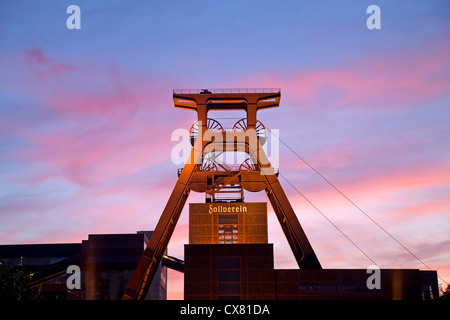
(157, 245)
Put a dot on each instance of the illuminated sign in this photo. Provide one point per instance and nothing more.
(224, 209)
(228, 223)
(234, 207)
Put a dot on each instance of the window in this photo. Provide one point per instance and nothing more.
(228, 219)
(227, 263)
(228, 229)
(228, 278)
(229, 288)
(230, 297)
(335, 289)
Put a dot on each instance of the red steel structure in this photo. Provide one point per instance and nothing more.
(203, 174)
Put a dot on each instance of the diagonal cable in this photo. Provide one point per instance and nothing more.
(354, 204)
(331, 222)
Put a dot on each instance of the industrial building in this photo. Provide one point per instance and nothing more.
(106, 261)
(242, 268)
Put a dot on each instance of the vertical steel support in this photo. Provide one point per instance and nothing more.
(151, 258)
(295, 235)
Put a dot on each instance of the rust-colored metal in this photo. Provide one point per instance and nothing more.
(199, 175)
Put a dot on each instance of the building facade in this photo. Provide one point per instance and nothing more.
(110, 263)
(106, 261)
(228, 223)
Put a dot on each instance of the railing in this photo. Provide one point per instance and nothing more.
(276, 171)
(231, 90)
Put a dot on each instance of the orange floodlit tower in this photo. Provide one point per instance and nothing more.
(202, 173)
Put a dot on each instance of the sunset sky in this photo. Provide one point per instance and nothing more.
(86, 118)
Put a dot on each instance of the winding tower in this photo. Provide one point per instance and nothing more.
(203, 172)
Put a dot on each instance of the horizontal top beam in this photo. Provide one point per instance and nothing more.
(230, 90)
(224, 99)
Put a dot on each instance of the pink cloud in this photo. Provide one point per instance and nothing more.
(371, 187)
(422, 209)
(401, 81)
(395, 179)
(102, 121)
(44, 66)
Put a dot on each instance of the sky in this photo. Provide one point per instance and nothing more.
(86, 118)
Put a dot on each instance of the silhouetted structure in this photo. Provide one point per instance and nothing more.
(242, 268)
(202, 173)
(228, 256)
(107, 262)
